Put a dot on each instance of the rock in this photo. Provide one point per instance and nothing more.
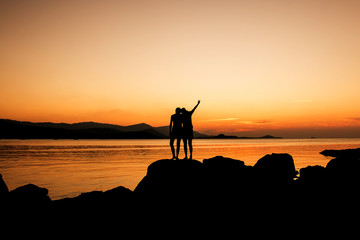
(227, 175)
(342, 153)
(90, 198)
(172, 178)
(3, 188)
(344, 164)
(276, 168)
(30, 195)
(109, 198)
(344, 170)
(220, 163)
(313, 176)
(118, 194)
(115, 206)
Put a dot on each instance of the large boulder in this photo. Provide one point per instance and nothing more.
(29, 196)
(223, 164)
(276, 168)
(172, 178)
(313, 176)
(227, 175)
(345, 164)
(344, 170)
(348, 153)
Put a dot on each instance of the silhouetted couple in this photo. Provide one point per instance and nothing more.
(181, 128)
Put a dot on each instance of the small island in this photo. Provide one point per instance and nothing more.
(236, 137)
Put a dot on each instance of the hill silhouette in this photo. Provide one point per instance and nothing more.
(11, 129)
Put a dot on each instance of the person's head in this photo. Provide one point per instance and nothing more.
(183, 110)
(178, 110)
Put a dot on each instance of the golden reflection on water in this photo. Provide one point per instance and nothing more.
(69, 167)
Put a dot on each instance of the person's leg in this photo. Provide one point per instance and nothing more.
(172, 147)
(190, 147)
(178, 141)
(185, 147)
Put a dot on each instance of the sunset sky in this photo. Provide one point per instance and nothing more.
(281, 67)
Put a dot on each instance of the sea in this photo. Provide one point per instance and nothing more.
(68, 168)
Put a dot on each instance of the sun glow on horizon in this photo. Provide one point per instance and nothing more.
(258, 66)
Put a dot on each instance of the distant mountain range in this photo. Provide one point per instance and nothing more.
(11, 129)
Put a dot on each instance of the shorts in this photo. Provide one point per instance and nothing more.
(176, 133)
(188, 133)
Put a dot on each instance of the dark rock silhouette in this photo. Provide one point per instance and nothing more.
(313, 176)
(313, 184)
(112, 200)
(226, 176)
(3, 188)
(276, 169)
(346, 167)
(30, 192)
(220, 168)
(29, 198)
(215, 175)
(172, 178)
(213, 192)
(342, 153)
(343, 171)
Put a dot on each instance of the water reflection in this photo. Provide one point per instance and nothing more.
(69, 167)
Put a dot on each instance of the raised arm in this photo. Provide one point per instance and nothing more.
(192, 111)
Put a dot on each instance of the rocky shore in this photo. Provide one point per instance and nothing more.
(216, 188)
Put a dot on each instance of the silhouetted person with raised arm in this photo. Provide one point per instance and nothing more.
(188, 132)
(175, 132)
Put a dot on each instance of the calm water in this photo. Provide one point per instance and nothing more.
(69, 167)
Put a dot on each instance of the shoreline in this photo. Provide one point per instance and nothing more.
(219, 195)
(130, 175)
(228, 176)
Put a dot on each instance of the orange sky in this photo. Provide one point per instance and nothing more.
(258, 66)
